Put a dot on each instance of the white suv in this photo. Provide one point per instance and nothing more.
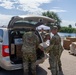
(11, 40)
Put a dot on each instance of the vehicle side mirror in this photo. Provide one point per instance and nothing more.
(1, 39)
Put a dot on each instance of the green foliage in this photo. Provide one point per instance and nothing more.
(54, 16)
(67, 30)
(70, 26)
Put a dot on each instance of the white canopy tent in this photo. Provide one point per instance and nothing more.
(43, 26)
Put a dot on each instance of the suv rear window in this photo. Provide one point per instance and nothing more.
(1, 33)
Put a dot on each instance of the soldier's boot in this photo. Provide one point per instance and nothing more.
(60, 68)
(34, 73)
(25, 73)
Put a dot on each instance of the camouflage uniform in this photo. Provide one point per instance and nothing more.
(55, 49)
(43, 35)
(30, 43)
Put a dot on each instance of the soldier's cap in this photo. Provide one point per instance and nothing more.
(47, 34)
(54, 28)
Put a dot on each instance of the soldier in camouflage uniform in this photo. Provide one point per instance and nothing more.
(42, 33)
(30, 43)
(55, 49)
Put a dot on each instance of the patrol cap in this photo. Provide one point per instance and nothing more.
(47, 34)
(54, 28)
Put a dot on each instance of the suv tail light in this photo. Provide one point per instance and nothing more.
(5, 50)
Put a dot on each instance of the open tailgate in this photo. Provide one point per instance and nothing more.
(28, 21)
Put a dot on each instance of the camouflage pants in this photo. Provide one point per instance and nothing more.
(29, 58)
(59, 63)
(53, 61)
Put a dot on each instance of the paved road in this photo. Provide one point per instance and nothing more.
(68, 63)
(68, 66)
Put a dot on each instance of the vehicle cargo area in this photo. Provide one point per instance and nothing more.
(15, 46)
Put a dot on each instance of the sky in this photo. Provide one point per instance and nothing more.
(66, 9)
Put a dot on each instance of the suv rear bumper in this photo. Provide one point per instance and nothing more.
(8, 66)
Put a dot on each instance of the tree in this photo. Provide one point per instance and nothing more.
(70, 26)
(67, 30)
(54, 16)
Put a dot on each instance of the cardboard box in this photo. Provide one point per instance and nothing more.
(66, 44)
(18, 50)
(12, 49)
